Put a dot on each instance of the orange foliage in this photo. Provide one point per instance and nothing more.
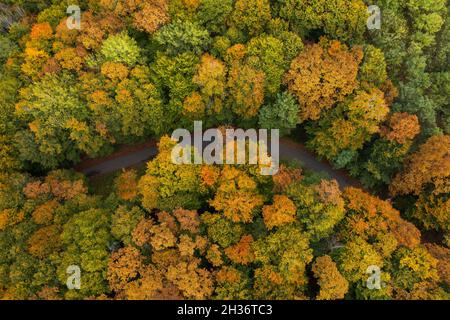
(332, 284)
(124, 265)
(235, 52)
(193, 106)
(282, 211)
(442, 254)
(44, 241)
(195, 283)
(142, 233)
(188, 220)
(65, 189)
(401, 127)
(285, 177)
(97, 28)
(210, 175)
(126, 184)
(329, 192)
(34, 61)
(429, 165)
(148, 16)
(246, 87)
(114, 70)
(162, 237)
(152, 16)
(36, 189)
(71, 58)
(242, 251)
(41, 31)
(373, 218)
(43, 214)
(322, 75)
(236, 195)
(228, 274)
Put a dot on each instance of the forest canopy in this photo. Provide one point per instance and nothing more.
(370, 102)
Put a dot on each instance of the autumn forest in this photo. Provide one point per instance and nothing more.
(371, 103)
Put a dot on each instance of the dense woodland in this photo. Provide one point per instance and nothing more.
(374, 103)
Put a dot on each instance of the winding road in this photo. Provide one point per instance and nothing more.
(130, 156)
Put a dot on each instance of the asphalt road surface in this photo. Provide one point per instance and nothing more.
(288, 150)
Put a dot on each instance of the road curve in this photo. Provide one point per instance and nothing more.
(142, 153)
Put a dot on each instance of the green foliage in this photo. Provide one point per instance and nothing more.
(266, 54)
(86, 237)
(282, 115)
(179, 37)
(213, 14)
(338, 19)
(120, 48)
(137, 70)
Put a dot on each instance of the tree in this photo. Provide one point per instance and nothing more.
(211, 79)
(318, 80)
(338, 19)
(371, 218)
(251, 16)
(281, 212)
(123, 266)
(241, 252)
(172, 77)
(345, 129)
(401, 127)
(126, 185)
(120, 48)
(353, 261)
(221, 230)
(284, 255)
(152, 16)
(332, 284)
(432, 212)
(86, 237)
(146, 16)
(213, 14)
(167, 185)
(44, 241)
(246, 90)
(319, 207)
(178, 37)
(428, 165)
(265, 53)
(282, 115)
(47, 141)
(285, 177)
(232, 284)
(124, 221)
(373, 67)
(442, 254)
(412, 269)
(237, 195)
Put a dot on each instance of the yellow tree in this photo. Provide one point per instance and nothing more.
(332, 284)
(237, 195)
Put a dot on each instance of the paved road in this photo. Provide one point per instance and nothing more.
(293, 150)
(288, 150)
